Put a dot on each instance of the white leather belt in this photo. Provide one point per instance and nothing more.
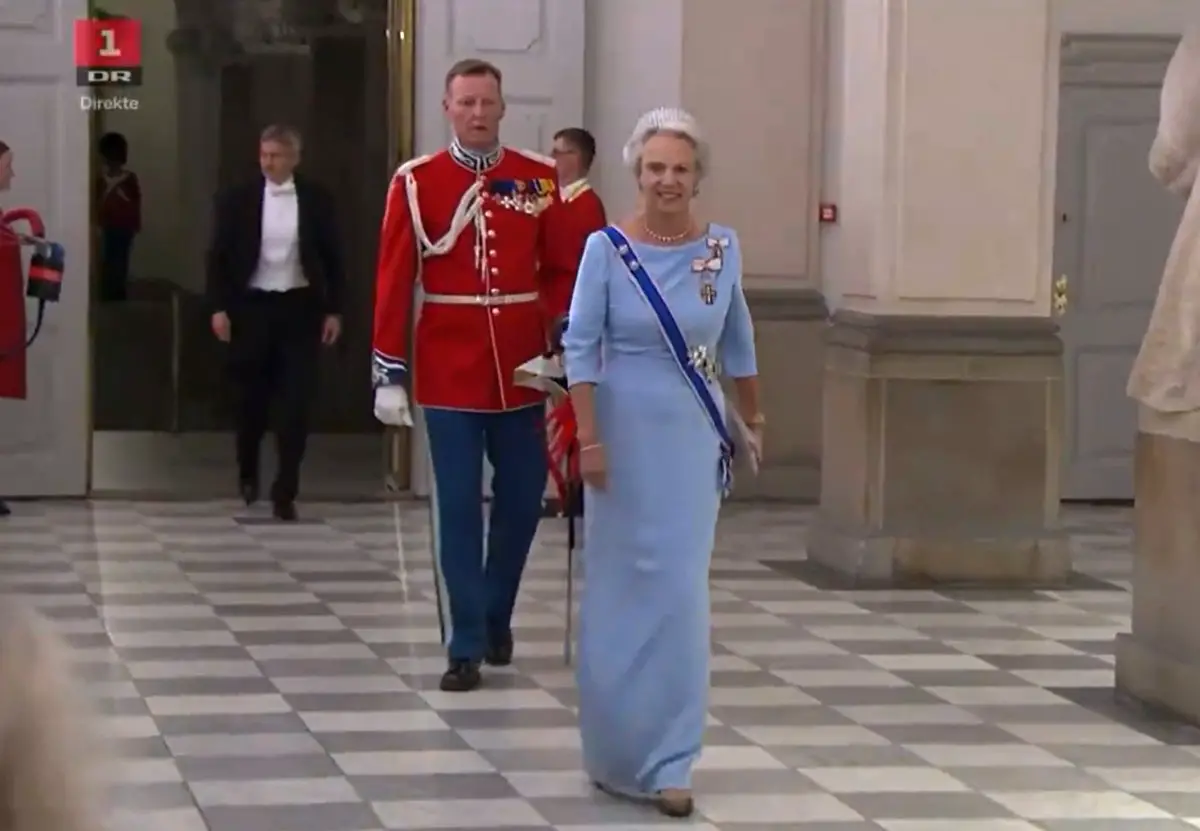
(482, 299)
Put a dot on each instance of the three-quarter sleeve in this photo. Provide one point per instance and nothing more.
(736, 347)
(588, 316)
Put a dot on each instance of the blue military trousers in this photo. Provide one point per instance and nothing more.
(477, 579)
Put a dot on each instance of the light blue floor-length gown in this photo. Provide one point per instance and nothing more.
(648, 539)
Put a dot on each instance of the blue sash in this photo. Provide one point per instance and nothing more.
(679, 351)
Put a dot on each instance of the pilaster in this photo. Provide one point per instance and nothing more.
(939, 150)
(942, 386)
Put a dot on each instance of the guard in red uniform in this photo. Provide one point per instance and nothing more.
(478, 226)
(118, 214)
(574, 152)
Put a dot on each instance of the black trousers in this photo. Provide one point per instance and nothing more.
(275, 349)
(116, 248)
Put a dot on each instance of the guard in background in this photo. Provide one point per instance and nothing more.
(118, 214)
(478, 224)
(275, 286)
(574, 153)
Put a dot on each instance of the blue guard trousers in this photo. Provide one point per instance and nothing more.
(478, 580)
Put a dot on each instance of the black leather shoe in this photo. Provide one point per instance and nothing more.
(500, 651)
(285, 511)
(4, 509)
(248, 488)
(461, 676)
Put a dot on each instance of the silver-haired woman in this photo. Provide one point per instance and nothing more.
(658, 312)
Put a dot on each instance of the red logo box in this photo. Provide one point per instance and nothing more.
(108, 52)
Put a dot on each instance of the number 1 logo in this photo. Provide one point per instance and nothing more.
(108, 44)
(108, 52)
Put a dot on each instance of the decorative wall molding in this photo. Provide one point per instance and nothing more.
(818, 100)
(1116, 60)
(27, 15)
(781, 299)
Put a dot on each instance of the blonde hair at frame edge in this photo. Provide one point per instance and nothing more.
(48, 759)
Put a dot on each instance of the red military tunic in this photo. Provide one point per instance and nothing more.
(584, 214)
(489, 251)
(119, 202)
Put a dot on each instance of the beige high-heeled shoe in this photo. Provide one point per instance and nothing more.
(675, 802)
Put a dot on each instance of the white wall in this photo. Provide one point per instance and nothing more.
(643, 54)
(763, 106)
(634, 64)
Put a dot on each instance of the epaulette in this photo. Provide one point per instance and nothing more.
(537, 157)
(411, 165)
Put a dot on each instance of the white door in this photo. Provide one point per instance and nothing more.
(538, 46)
(44, 439)
(1115, 227)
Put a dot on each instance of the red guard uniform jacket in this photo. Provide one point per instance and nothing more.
(584, 215)
(490, 251)
(119, 202)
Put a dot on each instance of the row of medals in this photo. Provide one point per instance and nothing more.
(528, 203)
(529, 198)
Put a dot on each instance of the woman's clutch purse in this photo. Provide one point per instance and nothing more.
(744, 441)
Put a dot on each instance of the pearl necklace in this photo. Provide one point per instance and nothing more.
(666, 239)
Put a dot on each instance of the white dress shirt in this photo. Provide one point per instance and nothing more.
(279, 250)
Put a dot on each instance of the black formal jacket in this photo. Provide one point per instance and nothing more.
(237, 237)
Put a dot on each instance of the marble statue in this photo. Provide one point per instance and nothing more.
(1166, 375)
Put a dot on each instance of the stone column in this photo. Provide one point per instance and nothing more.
(942, 381)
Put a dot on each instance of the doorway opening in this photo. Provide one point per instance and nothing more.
(342, 74)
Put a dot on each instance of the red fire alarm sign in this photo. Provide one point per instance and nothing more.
(828, 212)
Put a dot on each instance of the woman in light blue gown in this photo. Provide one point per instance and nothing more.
(655, 464)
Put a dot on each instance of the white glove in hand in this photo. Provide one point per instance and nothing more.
(391, 407)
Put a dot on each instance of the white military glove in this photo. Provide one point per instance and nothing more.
(391, 406)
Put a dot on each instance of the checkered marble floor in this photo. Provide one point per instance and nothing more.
(263, 677)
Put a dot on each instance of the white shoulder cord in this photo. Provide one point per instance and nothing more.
(466, 213)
